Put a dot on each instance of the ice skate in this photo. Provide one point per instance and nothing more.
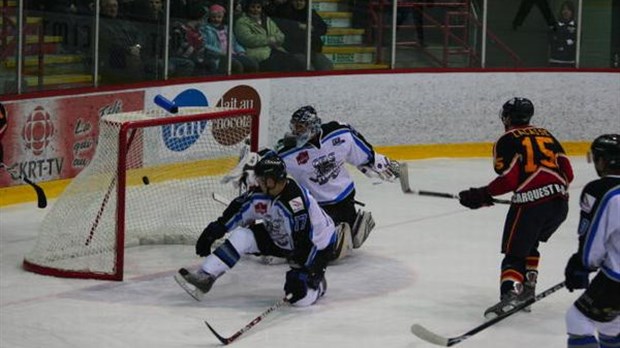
(195, 284)
(322, 287)
(508, 302)
(529, 288)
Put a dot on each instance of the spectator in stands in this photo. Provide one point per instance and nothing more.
(417, 14)
(215, 33)
(149, 10)
(524, 10)
(292, 18)
(263, 39)
(237, 9)
(187, 45)
(274, 8)
(68, 6)
(128, 9)
(182, 9)
(150, 14)
(562, 48)
(120, 46)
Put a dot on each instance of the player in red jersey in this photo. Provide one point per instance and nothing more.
(531, 163)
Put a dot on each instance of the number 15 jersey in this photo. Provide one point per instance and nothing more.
(531, 163)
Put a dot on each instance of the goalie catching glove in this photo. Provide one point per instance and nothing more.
(382, 167)
(242, 176)
(213, 232)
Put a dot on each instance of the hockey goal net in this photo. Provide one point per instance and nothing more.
(152, 181)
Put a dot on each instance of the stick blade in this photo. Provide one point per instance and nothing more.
(41, 198)
(429, 336)
(224, 340)
(404, 177)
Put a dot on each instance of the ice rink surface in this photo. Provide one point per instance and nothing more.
(428, 261)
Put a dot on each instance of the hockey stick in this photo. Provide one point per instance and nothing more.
(439, 340)
(258, 319)
(41, 197)
(406, 188)
(220, 199)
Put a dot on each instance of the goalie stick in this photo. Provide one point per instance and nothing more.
(41, 197)
(439, 340)
(236, 335)
(406, 188)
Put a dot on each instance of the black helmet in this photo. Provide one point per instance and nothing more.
(607, 146)
(270, 166)
(517, 111)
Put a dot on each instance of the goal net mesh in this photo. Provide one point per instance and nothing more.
(162, 195)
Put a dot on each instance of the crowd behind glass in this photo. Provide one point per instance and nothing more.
(113, 42)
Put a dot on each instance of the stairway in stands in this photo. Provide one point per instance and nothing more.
(344, 44)
(44, 66)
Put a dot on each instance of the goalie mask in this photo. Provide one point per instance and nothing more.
(516, 112)
(305, 124)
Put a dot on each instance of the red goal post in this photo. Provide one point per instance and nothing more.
(151, 181)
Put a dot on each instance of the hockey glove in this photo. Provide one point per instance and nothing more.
(298, 281)
(213, 232)
(576, 274)
(382, 167)
(475, 198)
(244, 170)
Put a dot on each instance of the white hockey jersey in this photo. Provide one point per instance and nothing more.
(320, 164)
(294, 220)
(599, 226)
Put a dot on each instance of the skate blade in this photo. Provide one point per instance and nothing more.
(193, 292)
(499, 312)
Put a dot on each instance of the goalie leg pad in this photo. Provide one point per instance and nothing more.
(364, 223)
(344, 242)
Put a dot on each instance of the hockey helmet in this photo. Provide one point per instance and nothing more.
(270, 166)
(607, 146)
(517, 111)
(305, 124)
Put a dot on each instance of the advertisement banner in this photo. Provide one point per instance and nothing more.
(233, 94)
(55, 138)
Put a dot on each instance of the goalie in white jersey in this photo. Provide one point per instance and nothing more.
(597, 310)
(277, 218)
(315, 154)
